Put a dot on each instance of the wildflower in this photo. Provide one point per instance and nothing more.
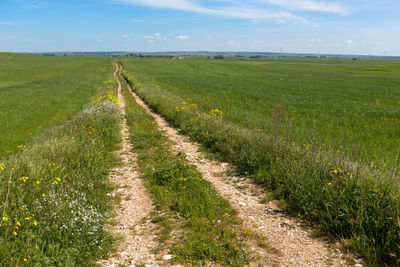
(24, 179)
(215, 113)
(5, 219)
(25, 260)
(2, 166)
(15, 233)
(37, 182)
(18, 223)
(9, 182)
(43, 195)
(329, 183)
(35, 223)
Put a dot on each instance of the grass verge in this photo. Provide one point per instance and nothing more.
(206, 224)
(348, 200)
(53, 192)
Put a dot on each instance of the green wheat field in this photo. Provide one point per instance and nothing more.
(319, 134)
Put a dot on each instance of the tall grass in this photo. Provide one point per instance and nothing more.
(347, 199)
(54, 191)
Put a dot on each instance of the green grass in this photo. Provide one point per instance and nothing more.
(54, 191)
(335, 104)
(341, 192)
(207, 227)
(38, 91)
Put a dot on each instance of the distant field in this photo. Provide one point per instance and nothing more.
(37, 91)
(335, 104)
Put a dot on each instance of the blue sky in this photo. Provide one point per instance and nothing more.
(309, 26)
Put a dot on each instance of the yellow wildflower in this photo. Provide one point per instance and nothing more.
(24, 179)
(15, 233)
(5, 219)
(35, 223)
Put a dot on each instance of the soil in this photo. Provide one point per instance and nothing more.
(137, 234)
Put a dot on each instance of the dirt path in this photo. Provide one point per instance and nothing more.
(284, 233)
(137, 234)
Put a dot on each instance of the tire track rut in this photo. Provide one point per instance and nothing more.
(131, 221)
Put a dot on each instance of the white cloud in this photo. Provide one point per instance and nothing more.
(7, 23)
(156, 36)
(256, 41)
(234, 10)
(182, 37)
(30, 3)
(308, 5)
(349, 43)
(315, 41)
(125, 36)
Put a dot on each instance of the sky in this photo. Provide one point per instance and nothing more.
(368, 27)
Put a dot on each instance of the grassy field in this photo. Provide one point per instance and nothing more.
(37, 91)
(54, 190)
(320, 134)
(335, 104)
